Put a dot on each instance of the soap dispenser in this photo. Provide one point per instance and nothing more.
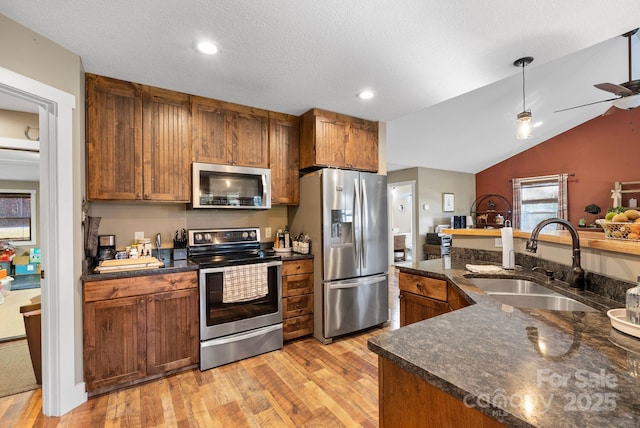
(633, 304)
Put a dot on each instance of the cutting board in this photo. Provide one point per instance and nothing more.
(121, 265)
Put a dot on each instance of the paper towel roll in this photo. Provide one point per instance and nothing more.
(508, 254)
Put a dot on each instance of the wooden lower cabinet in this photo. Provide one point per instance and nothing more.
(415, 308)
(423, 297)
(408, 401)
(297, 298)
(137, 328)
(172, 330)
(114, 342)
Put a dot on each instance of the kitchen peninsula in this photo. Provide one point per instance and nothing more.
(493, 364)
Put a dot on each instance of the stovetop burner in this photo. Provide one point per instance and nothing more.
(226, 247)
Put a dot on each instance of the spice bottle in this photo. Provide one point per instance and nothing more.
(633, 304)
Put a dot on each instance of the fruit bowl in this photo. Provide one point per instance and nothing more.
(624, 231)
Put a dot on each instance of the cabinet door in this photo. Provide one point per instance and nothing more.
(172, 330)
(284, 159)
(250, 139)
(362, 149)
(114, 341)
(332, 136)
(114, 139)
(166, 146)
(415, 308)
(212, 129)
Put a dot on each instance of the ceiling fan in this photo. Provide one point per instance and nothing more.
(627, 93)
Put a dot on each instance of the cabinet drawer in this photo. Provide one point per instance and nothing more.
(297, 305)
(297, 327)
(423, 286)
(139, 285)
(293, 285)
(295, 267)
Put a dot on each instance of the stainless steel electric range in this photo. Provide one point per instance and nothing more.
(240, 295)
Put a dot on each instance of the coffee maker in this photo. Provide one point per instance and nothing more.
(106, 247)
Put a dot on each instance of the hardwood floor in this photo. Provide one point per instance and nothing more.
(306, 384)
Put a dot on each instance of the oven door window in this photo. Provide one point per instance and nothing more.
(218, 312)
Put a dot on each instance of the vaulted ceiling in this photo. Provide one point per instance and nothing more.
(442, 71)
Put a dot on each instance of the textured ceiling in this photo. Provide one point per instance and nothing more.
(441, 70)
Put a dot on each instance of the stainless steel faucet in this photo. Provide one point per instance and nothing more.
(577, 273)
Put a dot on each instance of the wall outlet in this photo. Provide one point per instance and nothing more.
(267, 232)
(499, 242)
(138, 235)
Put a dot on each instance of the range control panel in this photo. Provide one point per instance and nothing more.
(223, 236)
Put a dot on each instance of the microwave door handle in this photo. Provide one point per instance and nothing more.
(365, 223)
(355, 217)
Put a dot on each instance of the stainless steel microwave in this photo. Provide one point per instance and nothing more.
(228, 186)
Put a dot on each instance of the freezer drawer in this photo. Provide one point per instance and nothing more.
(355, 304)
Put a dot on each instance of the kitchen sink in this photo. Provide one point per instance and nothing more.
(554, 302)
(523, 293)
(510, 285)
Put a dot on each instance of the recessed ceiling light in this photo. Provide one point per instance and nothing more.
(207, 48)
(366, 94)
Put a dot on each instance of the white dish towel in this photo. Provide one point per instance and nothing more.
(244, 283)
(483, 268)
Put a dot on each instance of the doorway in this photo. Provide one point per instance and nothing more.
(19, 209)
(61, 354)
(402, 220)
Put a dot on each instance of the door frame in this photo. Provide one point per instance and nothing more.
(414, 217)
(61, 353)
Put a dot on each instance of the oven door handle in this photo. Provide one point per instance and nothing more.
(242, 336)
(221, 269)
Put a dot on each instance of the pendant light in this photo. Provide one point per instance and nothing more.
(525, 126)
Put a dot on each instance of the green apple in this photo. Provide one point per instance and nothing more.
(610, 216)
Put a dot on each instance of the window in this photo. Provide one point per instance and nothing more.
(539, 198)
(18, 216)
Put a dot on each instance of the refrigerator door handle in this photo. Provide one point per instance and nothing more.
(356, 229)
(353, 283)
(365, 223)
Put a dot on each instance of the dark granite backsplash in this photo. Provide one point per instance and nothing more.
(610, 288)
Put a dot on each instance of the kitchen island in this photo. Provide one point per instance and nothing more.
(489, 364)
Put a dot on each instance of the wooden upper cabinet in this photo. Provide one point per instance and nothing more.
(362, 150)
(166, 145)
(334, 140)
(284, 159)
(138, 142)
(114, 139)
(229, 134)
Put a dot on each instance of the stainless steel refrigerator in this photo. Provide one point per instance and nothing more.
(345, 214)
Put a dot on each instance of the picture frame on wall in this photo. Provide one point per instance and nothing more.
(448, 202)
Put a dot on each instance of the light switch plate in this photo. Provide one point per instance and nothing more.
(267, 232)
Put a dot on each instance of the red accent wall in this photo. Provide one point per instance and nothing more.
(599, 152)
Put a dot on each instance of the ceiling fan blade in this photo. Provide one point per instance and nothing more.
(584, 105)
(627, 103)
(614, 89)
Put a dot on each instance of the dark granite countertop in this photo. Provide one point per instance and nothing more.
(175, 266)
(523, 367)
(295, 256)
